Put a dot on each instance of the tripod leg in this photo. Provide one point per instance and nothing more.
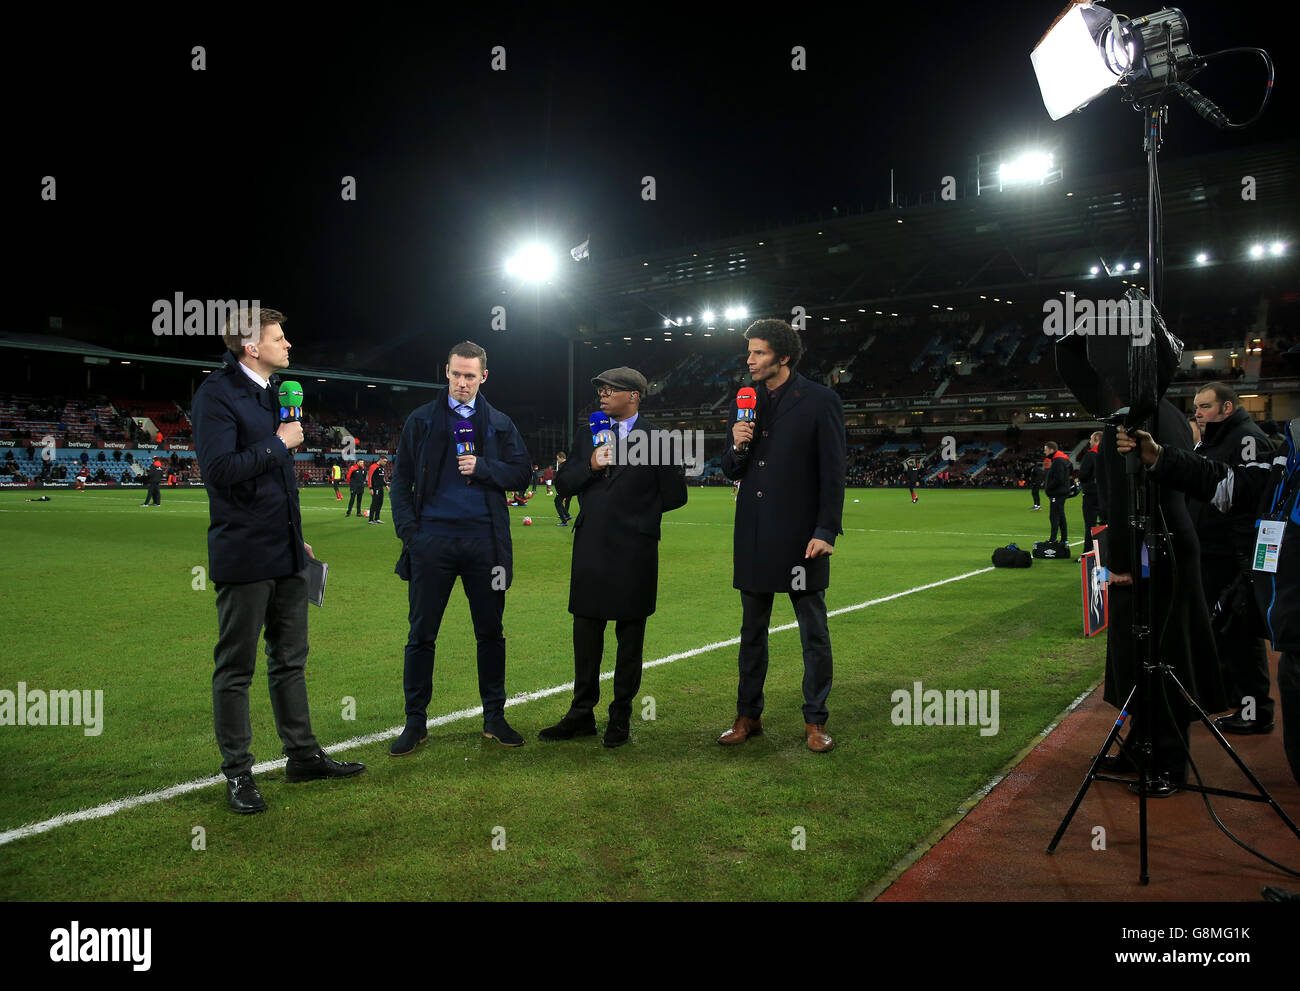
(1223, 742)
(1092, 773)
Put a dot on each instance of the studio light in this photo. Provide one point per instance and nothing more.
(1088, 50)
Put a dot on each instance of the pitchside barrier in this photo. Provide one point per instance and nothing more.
(1096, 590)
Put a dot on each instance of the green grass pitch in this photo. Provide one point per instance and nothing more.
(101, 594)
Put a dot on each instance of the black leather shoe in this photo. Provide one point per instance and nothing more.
(1235, 724)
(1158, 787)
(320, 766)
(498, 729)
(1118, 763)
(567, 729)
(414, 734)
(242, 795)
(616, 733)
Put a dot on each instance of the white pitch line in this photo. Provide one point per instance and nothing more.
(122, 804)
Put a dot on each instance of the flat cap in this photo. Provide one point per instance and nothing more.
(624, 379)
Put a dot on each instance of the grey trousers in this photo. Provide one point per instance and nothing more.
(243, 608)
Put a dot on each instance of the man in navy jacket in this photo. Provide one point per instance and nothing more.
(256, 554)
(788, 515)
(449, 511)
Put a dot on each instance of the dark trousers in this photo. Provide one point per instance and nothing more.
(562, 508)
(1036, 500)
(154, 495)
(810, 611)
(243, 608)
(436, 563)
(355, 496)
(1243, 661)
(1089, 518)
(336, 488)
(376, 503)
(1056, 512)
(588, 648)
(1288, 688)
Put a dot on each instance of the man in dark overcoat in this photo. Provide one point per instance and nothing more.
(791, 461)
(257, 557)
(624, 488)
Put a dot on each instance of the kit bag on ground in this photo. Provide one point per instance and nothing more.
(1052, 550)
(1011, 556)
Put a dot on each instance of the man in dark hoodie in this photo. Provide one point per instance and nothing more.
(1088, 486)
(256, 554)
(1227, 550)
(449, 511)
(1057, 487)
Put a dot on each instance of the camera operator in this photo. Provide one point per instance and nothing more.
(1269, 492)
(1178, 610)
(1227, 548)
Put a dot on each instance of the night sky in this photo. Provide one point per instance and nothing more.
(226, 182)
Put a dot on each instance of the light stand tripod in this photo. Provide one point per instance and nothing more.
(1138, 377)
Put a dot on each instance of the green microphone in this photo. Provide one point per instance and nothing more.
(290, 402)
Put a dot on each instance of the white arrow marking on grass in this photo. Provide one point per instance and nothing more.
(122, 804)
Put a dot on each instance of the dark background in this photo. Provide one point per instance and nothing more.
(225, 183)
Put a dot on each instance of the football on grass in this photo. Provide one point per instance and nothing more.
(528, 521)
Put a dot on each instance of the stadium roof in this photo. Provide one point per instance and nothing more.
(1033, 240)
(64, 345)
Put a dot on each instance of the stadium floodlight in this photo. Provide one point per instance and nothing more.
(1094, 270)
(533, 263)
(1136, 266)
(1277, 249)
(1034, 166)
(1088, 50)
(1256, 251)
(1202, 258)
(1119, 267)
(706, 316)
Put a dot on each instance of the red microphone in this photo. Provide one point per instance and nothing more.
(746, 401)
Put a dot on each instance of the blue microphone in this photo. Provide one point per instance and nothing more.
(601, 429)
(463, 434)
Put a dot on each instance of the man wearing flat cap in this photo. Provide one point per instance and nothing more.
(615, 571)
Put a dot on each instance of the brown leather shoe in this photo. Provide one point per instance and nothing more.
(818, 741)
(741, 730)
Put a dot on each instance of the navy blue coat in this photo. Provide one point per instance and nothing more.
(256, 526)
(792, 491)
(503, 465)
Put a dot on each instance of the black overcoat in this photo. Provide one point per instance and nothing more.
(615, 570)
(1188, 642)
(792, 490)
(256, 526)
